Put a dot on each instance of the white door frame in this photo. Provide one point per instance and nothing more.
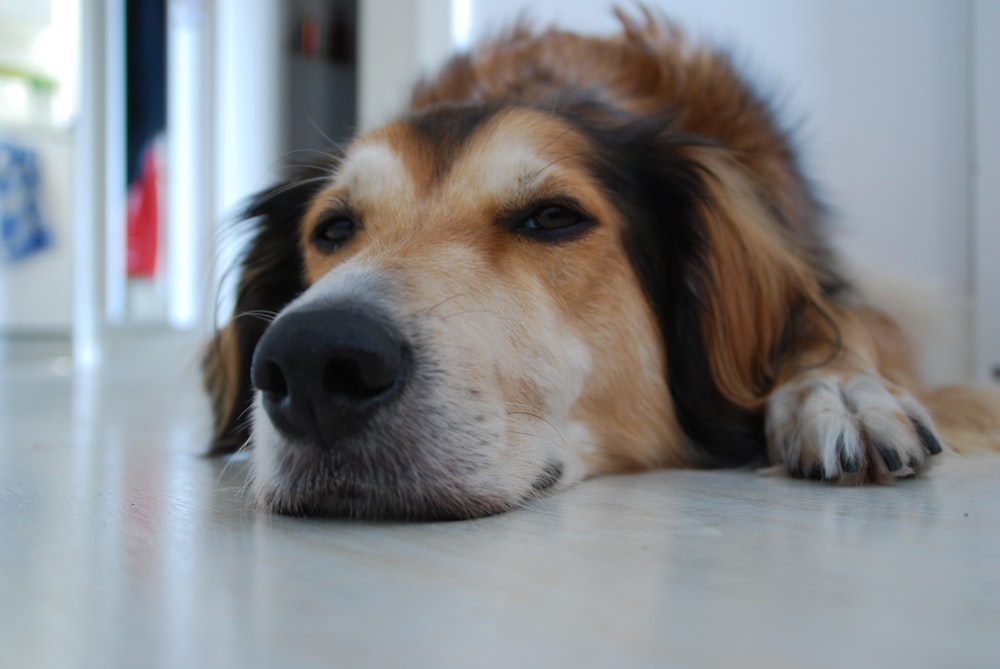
(985, 186)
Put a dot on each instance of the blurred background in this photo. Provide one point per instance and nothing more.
(132, 130)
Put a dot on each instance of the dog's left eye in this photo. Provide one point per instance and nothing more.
(553, 222)
(331, 233)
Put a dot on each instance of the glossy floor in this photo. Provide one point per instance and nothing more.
(121, 547)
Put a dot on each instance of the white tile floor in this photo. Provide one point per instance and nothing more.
(121, 547)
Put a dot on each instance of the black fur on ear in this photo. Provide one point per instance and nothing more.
(674, 204)
(271, 274)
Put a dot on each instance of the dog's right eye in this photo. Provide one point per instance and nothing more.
(551, 222)
(332, 232)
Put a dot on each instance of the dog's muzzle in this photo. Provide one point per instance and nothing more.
(324, 371)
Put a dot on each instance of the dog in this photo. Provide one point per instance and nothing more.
(571, 256)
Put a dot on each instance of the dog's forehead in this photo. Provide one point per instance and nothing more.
(495, 155)
(513, 154)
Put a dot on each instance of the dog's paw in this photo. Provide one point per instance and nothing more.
(849, 429)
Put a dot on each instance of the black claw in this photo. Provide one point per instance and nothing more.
(930, 442)
(889, 456)
(847, 464)
(816, 472)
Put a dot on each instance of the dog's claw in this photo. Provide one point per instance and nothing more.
(927, 438)
(848, 464)
(889, 456)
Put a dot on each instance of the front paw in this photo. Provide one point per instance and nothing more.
(849, 429)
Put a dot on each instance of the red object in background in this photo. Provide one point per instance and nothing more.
(142, 232)
(309, 37)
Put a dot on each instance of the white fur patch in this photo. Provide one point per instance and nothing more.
(372, 171)
(848, 428)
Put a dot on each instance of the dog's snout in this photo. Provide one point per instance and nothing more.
(323, 371)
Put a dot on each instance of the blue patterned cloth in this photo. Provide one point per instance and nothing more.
(23, 231)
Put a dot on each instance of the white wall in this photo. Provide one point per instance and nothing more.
(986, 186)
(400, 40)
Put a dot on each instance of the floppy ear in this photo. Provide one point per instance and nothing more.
(760, 283)
(728, 269)
(754, 291)
(270, 276)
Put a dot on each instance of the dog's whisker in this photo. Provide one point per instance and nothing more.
(531, 434)
(519, 404)
(230, 463)
(291, 186)
(226, 467)
(466, 312)
(430, 310)
(530, 414)
(329, 140)
(321, 153)
(261, 314)
(558, 137)
(243, 422)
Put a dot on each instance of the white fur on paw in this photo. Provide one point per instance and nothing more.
(848, 428)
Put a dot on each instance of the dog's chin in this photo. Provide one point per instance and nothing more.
(356, 500)
(386, 474)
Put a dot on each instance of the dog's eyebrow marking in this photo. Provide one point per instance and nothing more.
(374, 170)
(508, 169)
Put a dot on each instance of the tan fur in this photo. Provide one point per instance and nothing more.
(220, 368)
(968, 417)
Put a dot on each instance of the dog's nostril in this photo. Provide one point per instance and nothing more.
(266, 375)
(274, 380)
(361, 375)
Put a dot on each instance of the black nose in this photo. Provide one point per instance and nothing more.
(324, 371)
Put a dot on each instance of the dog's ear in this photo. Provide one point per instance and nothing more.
(765, 288)
(760, 281)
(727, 269)
(270, 275)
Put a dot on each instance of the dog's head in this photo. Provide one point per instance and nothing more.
(484, 301)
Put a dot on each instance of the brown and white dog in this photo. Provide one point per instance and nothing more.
(571, 256)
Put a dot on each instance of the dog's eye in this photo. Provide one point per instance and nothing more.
(553, 222)
(332, 232)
